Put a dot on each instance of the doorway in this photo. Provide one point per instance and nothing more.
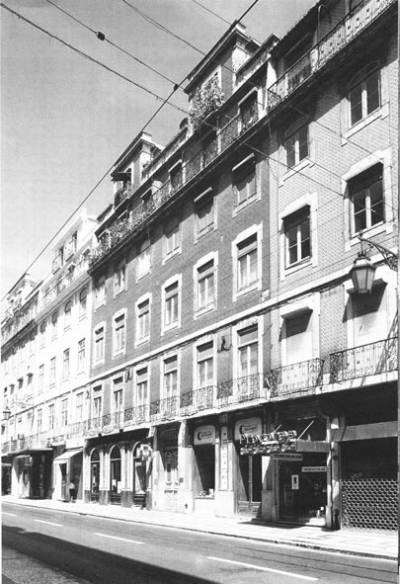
(94, 475)
(249, 484)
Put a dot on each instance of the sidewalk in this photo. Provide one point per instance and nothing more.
(360, 542)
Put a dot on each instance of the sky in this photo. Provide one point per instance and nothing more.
(65, 120)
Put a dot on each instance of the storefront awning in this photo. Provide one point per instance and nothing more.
(68, 454)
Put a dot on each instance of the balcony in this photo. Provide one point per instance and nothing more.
(164, 409)
(196, 400)
(296, 378)
(344, 33)
(26, 443)
(372, 359)
(240, 390)
(66, 280)
(137, 415)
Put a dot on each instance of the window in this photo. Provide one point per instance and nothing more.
(175, 177)
(97, 402)
(296, 147)
(118, 395)
(54, 323)
(204, 207)
(297, 234)
(100, 292)
(143, 265)
(52, 377)
(66, 363)
(172, 239)
(39, 420)
(248, 112)
(51, 416)
(170, 377)
(119, 333)
(99, 337)
(297, 336)
(364, 98)
(79, 407)
(171, 305)
(143, 320)
(82, 302)
(205, 364)
(209, 148)
(205, 286)
(42, 330)
(248, 351)
(366, 195)
(119, 278)
(67, 314)
(64, 412)
(247, 260)
(81, 354)
(41, 378)
(244, 181)
(142, 382)
(368, 318)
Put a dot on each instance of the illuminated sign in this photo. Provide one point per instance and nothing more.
(204, 435)
(273, 442)
(247, 426)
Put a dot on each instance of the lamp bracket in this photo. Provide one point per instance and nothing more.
(391, 259)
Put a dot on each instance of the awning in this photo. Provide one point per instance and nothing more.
(68, 454)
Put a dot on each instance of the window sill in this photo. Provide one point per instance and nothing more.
(171, 255)
(306, 162)
(370, 232)
(98, 363)
(140, 342)
(199, 235)
(237, 208)
(119, 354)
(200, 312)
(208, 497)
(99, 305)
(170, 327)
(242, 292)
(298, 266)
(381, 113)
(141, 276)
(118, 292)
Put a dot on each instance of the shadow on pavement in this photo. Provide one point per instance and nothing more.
(94, 565)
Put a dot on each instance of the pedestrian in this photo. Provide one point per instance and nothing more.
(72, 491)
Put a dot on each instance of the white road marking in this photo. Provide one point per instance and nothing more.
(48, 522)
(254, 567)
(119, 538)
(10, 514)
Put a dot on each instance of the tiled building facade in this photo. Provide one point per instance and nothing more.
(234, 369)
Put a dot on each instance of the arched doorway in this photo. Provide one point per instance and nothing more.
(94, 475)
(115, 475)
(139, 477)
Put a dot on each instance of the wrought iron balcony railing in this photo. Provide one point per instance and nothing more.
(196, 400)
(365, 360)
(353, 24)
(137, 415)
(241, 389)
(304, 376)
(164, 409)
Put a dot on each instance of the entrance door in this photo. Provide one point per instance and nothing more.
(303, 490)
(139, 482)
(63, 470)
(249, 484)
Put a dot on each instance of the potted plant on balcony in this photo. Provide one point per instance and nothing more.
(205, 101)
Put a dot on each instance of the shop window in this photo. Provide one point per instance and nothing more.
(205, 466)
(366, 197)
(297, 236)
(99, 341)
(364, 97)
(95, 473)
(115, 474)
(171, 467)
(119, 334)
(244, 181)
(296, 146)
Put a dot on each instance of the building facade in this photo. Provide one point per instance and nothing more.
(234, 368)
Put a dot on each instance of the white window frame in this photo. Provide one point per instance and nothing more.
(144, 252)
(242, 236)
(97, 389)
(120, 268)
(139, 301)
(100, 285)
(176, 354)
(68, 321)
(175, 233)
(165, 328)
(295, 135)
(121, 313)
(145, 365)
(80, 366)
(198, 311)
(83, 313)
(362, 83)
(98, 326)
(199, 343)
(115, 378)
(310, 303)
(308, 200)
(66, 373)
(244, 324)
(53, 379)
(62, 411)
(247, 161)
(79, 394)
(383, 157)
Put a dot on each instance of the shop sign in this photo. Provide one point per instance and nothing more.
(204, 435)
(295, 482)
(271, 443)
(288, 456)
(248, 426)
(313, 469)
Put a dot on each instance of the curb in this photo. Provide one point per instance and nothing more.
(265, 539)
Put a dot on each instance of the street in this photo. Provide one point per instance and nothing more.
(108, 551)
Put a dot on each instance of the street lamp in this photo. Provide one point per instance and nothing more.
(362, 273)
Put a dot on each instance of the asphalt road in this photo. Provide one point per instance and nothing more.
(108, 551)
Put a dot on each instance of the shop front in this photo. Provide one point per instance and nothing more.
(67, 468)
(166, 473)
(204, 444)
(249, 469)
(31, 474)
